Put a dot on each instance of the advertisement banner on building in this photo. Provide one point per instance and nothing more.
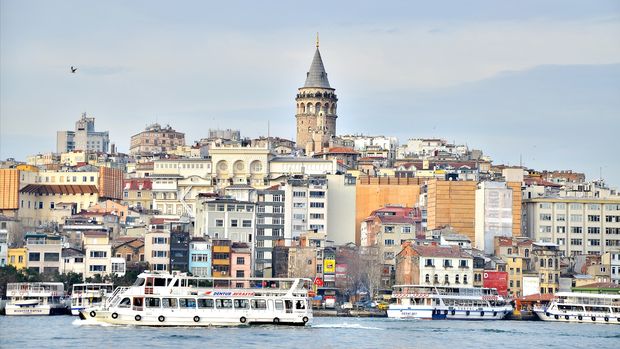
(329, 278)
(329, 266)
(341, 271)
(497, 280)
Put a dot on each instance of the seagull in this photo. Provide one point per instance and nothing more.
(73, 70)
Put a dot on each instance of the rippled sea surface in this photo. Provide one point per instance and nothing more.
(70, 332)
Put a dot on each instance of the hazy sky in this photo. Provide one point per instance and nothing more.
(537, 79)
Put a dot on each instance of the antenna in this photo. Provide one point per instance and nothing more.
(317, 39)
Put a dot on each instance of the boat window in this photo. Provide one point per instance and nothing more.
(187, 303)
(279, 305)
(259, 304)
(160, 282)
(205, 303)
(223, 303)
(242, 303)
(169, 302)
(152, 302)
(176, 282)
(139, 282)
(137, 302)
(125, 303)
(300, 305)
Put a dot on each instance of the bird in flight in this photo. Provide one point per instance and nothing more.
(73, 70)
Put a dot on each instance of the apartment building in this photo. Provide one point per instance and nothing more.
(155, 139)
(269, 226)
(305, 207)
(44, 252)
(200, 254)
(98, 253)
(157, 250)
(434, 265)
(84, 137)
(223, 218)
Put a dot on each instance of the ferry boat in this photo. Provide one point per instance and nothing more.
(582, 307)
(447, 303)
(181, 300)
(35, 298)
(89, 295)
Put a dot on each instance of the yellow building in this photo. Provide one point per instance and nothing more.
(17, 257)
(372, 193)
(40, 203)
(452, 203)
(221, 258)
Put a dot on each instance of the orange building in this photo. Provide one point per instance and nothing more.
(372, 193)
(110, 183)
(452, 203)
(516, 207)
(9, 191)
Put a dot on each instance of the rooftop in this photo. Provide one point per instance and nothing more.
(62, 189)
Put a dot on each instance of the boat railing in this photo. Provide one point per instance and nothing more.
(115, 297)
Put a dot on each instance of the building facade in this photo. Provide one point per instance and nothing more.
(493, 214)
(157, 250)
(269, 227)
(156, 140)
(83, 138)
(305, 207)
(200, 253)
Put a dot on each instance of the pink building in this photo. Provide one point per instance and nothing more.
(240, 262)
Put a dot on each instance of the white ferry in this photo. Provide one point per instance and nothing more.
(89, 295)
(582, 307)
(35, 298)
(452, 303)
(181, 300)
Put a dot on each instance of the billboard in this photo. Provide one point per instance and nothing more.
(497, 280)
(329, 266)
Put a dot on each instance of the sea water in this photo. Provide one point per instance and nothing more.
(70, 332)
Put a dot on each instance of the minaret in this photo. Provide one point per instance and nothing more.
(316, 108)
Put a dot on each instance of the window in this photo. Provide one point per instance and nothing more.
(219, 222)
(240, 273)
(576, 230)
(576, 242)
(560, 206)
(160, 254)
(277, 198)
(242, 304)
(299, 216)
(187, 303)
(560, 230)
(388, 229)
(429, 262)
(152, 302)
(544, 229)
(560, 217)
(612, 219)
(576, 218)
(594, 230)
(169, 302)
(160, 241)
(389, 242)
(317, 194)
(98, 254)
(594, 218)
(575, 206)
(97, 268)
(317, 204)
(223, 303)
(205, 303)
(594, 242)
(234, 223)
(545, 205)
(463, 263)
(34, 256)
(240, 260)
(465, 279)
(446, 279)
(447, 263)
(299, 194)
(317, 215)
(51, 257)
(407, 229)
(258, 303)
(545, 216)
(427, 278)
(436, 279)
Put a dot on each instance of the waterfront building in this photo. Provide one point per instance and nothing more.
(611, 260)
(316, 109)
(176, 184)
(343, 155)
(374, 146)
(42, 203)
(305, 206)
(269, 227)
(434, 265)
(43, 252)
(9, 191)
(4, 247)
(98, 253)
(18, 257)
(240, 261)
(493, 214)
(576, 225)
(221, 257)
(73, 261)
(179, 250)
(546, 262)
(155, 140)
(200, 253)
(517, 253)
(157, 250)
(43, 159)
(138, 193)
(84, 137)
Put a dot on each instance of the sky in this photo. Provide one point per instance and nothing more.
(531, 82)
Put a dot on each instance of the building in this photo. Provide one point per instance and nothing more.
(157, 250)
(229, 219)
(240, 261)
(269, 227)
(305, 206)
(235, 164)
(493, 214)
(98, 253)
(43, 203)
(611, 260)
(9, 191)
(43, 252)
(4, 247)
(155, 140)
(546, 262)
(316, 109)
(73, 261)
(434, 265)
(221, 257)
(179, 250)
(18, 257)
(233, 135)
(341, 203)
(138, 194)
(200, 253)
(576, 225)
(131, 249)
(517, 253)
(83, 138)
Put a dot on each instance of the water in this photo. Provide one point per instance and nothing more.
(70, 332)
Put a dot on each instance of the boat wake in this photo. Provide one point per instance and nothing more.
(78, 322)
(347, 325)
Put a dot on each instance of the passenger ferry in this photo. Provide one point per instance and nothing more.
(88, 295)
(181, 300)
(451, 303)
(582, 307)
(35, 298)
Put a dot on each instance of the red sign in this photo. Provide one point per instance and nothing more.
(318, 281)
(497, 280)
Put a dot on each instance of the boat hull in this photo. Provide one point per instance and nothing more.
(446, 313)
(578, 317)
(15, 310)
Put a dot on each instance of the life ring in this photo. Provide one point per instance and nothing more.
(161, 318)
(243, 320)
(482, 313)
(566, 317)
(276, 320)
(547, 314)
(580, 317)
(556, 317)
(196, 318)
(305, 319)
(93, 314)
(467, 313)
(114, 315)
(593, 318)
(606, 319)
(138, 317)
(453, 312)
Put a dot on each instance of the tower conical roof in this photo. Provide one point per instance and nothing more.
(317, 77)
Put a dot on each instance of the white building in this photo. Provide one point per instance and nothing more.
(341, 203)
(290, 166)
(234, 164)
(577, 225)
(4, 247)
(83, 138)
(493, 215)
(269, 227)
(98, 253)
(445, 265)
(157, 250)
(224, 218)
(305, 207)
(362, 143)
(611, 260)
